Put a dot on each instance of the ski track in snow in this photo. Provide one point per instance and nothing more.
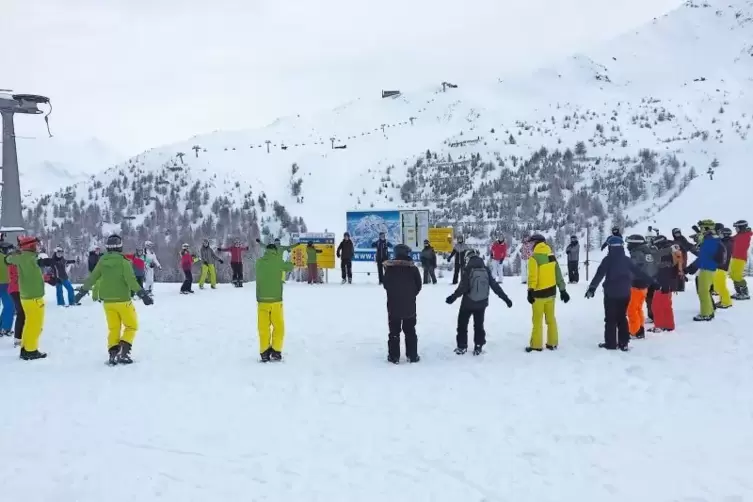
(198, 419)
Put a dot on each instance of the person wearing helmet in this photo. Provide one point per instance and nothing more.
(573, 257)
(345, 252)
(615, 233)
(94, 256)
(720, 276)
(187, 261)
(740, 247)
(31, 290)
(117, 285)
(474, 288)
(236, 261)
(429, 263)
(709, 252)
(6, 319)
(209, 260)
(458, 252)
(382, 254)
(152, 264)
(526, 250)
(498, 253)
(618, 272)
(668, 259)
(311, 263)
(270, 316)
(402, 281)
(544, 278)
(643, 258)
(60, 271)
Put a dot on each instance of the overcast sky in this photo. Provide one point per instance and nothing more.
(141, 73)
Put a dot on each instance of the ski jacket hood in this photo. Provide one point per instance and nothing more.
(269, 269)
(116, 278)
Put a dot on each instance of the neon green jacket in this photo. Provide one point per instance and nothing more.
(116, 277)
(269, 269)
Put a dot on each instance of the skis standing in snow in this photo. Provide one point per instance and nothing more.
(474, 289)
(152, 265)
(236, 261)
(118, 283)
(270, 318)
(498, 253)
(544, 278)
(345, 253)
(402, 281)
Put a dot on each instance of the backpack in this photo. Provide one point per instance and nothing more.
(478, 279)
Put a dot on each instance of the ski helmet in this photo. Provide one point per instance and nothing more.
(615, 241)
(470, 254)
(740, 224)
(659, 241)
(615, 230)
(205, 242)
(114, 243)
(726, 232)
(148, 245)
(676, 232)
(536, 239)
(635, 239)
(27, 243)
(460, 238)
(184, 246)
(5, 247)
(59, 250)
(402, 252)
(346, 234)
(574, 238)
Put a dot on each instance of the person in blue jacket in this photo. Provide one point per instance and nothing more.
(618, 271)
(710, 255)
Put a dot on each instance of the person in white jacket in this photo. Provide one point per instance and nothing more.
(151, 262)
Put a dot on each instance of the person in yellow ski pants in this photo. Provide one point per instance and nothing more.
(270, 315)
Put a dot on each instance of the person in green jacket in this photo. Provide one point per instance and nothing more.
(31, 289)
(116, 283)
(269, 270)
(311, 264)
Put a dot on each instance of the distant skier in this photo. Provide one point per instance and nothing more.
(187, 261)
(209, 260)
(382, 246)
(709, 252)
(270, 316)
(526, 250)
(618, 272)
(740, 247)
(615, 233)
(6, 319)
(429, 263)
(236, 261)
(720, 276)
(31, 289)
(573, 257)
(402, 281)
(474, 289)
(152, 265)
(94, 256)
(311, 263)
(60, 271)
(118, 284)
(345, 252)
(544, 278)
(498, 253)
(643, 258)
(458, 252)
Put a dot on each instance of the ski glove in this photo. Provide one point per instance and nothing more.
(221, 262)
(508, 302)
(531, 299)
(449, 300)
(590, 293)
(145, 297)
(564, 296)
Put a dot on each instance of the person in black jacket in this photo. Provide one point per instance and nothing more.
(618, 271)
(458, 252)
(59, 266)
(615, 233)
(429, 263)
(94, 256)
(474, 288)
(382, 246)
(402, 281)
(345, 253)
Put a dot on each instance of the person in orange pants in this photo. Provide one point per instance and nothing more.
(643, 257)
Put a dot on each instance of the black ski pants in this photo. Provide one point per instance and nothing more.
(455, 274)
(650, 302)
(479, 335)
(616, 330)
(408, 326)
(380, 271)
(346, 267)
(572, 271)
(20, 315)
(237, 268)
(429, 275)
(188, 281)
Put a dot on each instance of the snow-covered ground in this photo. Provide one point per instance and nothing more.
(198, 419)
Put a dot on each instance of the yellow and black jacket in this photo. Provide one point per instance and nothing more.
(544, 274)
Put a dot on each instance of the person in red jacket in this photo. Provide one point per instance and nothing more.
(187, 261)
(15, 294)
(499, 253)
(740, 246)
(139, 266)
(236, 261)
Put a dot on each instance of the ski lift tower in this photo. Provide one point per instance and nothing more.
(11, 219)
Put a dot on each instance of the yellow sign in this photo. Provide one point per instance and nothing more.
(324, 242)
(441, 239)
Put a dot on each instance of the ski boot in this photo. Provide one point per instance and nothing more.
(532, 349)
(31, 355)
(700, 317)
(623, 347)
(275, 356)
(343, 281)
(461, 350)
(350, 280)
(124, 357)
(658, 330)
(640, 334)
(16, 343)
(477, 350)
(114, 352)
(551, 347)
(4, 332)
(265, 355)
(393, 359)
(603, 345)
(720, 306)
(414, 359)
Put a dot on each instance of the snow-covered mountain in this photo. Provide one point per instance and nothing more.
(647, 125)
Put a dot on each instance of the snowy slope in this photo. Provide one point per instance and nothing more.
(197, 418)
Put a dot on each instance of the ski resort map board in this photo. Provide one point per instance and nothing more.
(407, 227)
(322, 241)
